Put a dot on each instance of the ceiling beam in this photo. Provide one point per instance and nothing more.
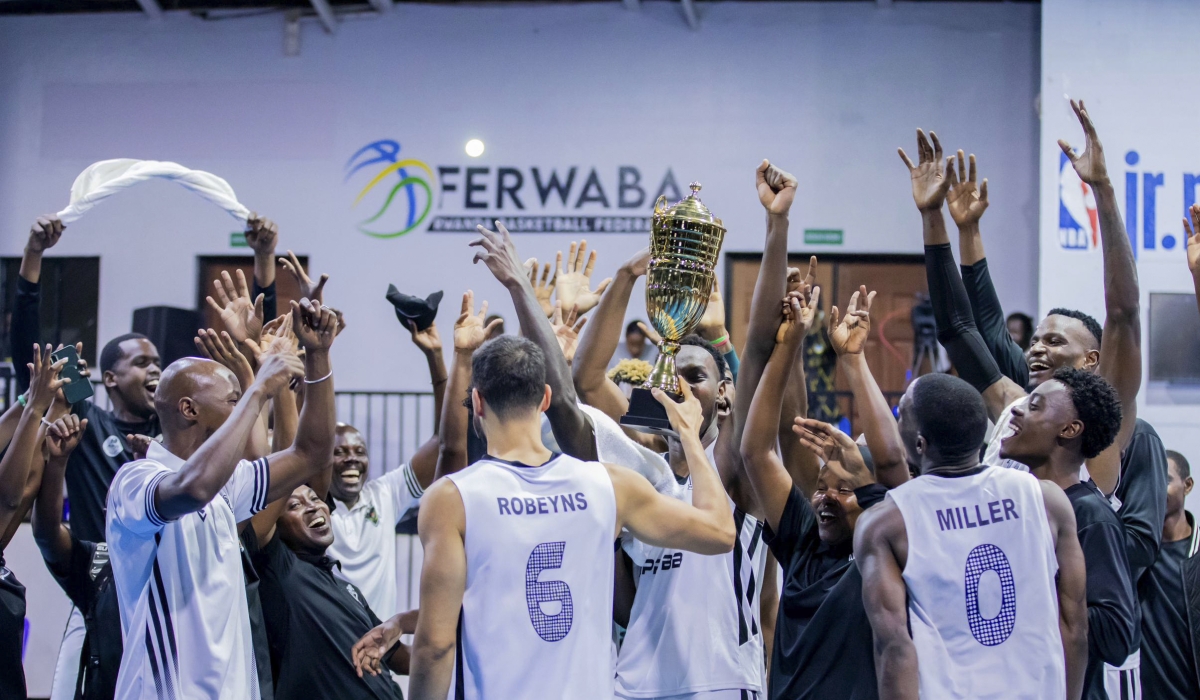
(151, 7)
(381, 5)
(325, 14)
(689, 13)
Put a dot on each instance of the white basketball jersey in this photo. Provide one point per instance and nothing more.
(694, 623)
(537, 612)
(982, 601)
(1000, 431)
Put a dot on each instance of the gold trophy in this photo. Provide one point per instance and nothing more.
(685, 240)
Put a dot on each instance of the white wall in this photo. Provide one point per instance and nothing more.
(1131, 63)
(826, 90)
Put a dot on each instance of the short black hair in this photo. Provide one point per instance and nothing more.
(1088, 322)
(632, 327)
(950, 415)
(718, 358)
(510, 374)
(111, 354)
(1181, 463)
(1098, 406)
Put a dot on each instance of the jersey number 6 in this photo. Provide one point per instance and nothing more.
(990, 631)
(552, 628)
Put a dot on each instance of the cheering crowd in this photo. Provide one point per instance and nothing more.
(1011, 530)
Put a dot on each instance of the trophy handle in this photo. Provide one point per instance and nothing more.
(660, 204)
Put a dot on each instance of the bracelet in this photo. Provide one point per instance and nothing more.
(47, 423)
(723, 347)
(22, 400)
(718, 341)
(318, 381)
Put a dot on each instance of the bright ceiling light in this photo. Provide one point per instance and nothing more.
(474, 148)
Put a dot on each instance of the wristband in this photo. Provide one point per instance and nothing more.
(318, 381)
(22, 400)
(718, 341)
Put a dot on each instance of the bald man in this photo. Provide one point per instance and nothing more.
(172, 517)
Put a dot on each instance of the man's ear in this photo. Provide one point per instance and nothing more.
(724, 405)
(1187, 485)
(1072, 430)
(109, 379)
(1091, 360)
(476, 403)
(187, 408)
(920, 444)
(545, 406)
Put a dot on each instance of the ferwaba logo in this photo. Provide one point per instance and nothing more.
(397, 196)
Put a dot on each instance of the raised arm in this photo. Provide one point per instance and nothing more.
(44, 383)
(706, 526)
(1121, 351)
(1072, 587)
(262, 235)
(52, 537)
(572, 429)
(952, 309)
(600, 339)
(469, 333)
(442, 527)
(26, 321)
(848, 337)
(430, 344)
(801, 464)
(768, 477)
(876, 538)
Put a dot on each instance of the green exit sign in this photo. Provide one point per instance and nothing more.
(823, 236)
(237, 239)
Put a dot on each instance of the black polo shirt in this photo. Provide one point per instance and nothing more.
(313, 619)
(823, 642)
(1112, 609)
(92, 466)
(12, 634)
(1168, 665)
(87, 581)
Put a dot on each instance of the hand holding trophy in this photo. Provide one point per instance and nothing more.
(685, 241)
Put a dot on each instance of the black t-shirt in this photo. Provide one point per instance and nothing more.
(313, 619)
(822, 634)
(88, 582)
(92, 466)
(12, 634)
(1113, 616)
(1143, 495)
(1168, 668)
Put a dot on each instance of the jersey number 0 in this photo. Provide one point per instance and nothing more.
(990, 631)
(552, 628)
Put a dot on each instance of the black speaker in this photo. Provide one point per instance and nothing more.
(170, 329)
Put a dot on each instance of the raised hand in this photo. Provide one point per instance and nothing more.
(221, 348)
(44, 233)
(930, 180)
(242, 317)
(261, 234)
(1193, 239)
(469, 330)
(368, 653)
(798, 317)
(1090, 164)
(840, 453)
(712, 323)
(686, 416)
(651, 334)
(567, 330)
(138, 444)
(802, 284)
(849, 335)
(278, 371)
(496, 250)
(639, 264)
(308, 290)
(63, 436)
(776, 188)
(315, 326)
(573, 286)
(544, 288)
(44, 380)
(277, 336)
(966, 201)
(428, 340)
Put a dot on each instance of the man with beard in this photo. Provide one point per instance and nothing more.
(822, 638)
(940, 629)
(1068, 419)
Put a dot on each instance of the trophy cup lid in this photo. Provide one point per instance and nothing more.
(690, 208)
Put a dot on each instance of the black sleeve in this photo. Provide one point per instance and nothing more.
(271, 560)
(25, 326)
(1111, 606)
(76, 581)
(869, 495)
(270, 304)
(992, 325)
(955, 321)
(797, 525)
(1143, 495)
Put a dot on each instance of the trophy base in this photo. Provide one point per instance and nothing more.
(647, 415)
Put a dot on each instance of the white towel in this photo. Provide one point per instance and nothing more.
(615, 447)
(107, 177)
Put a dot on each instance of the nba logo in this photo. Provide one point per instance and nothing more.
(1078, 223)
